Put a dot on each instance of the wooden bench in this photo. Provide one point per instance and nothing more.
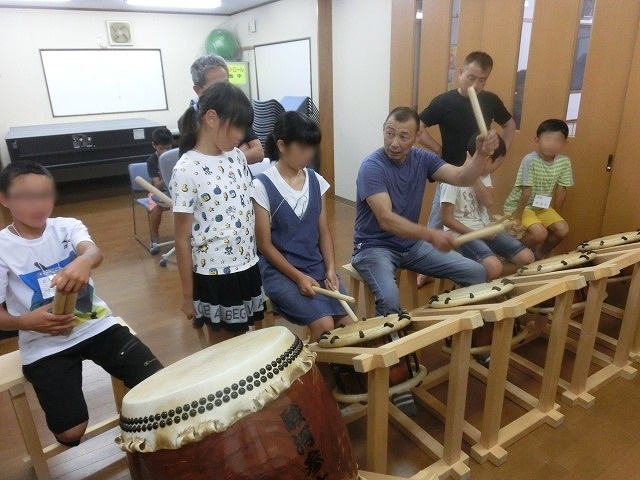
(13, 381)
(355, 280)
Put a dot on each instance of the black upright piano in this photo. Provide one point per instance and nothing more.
(83, 150)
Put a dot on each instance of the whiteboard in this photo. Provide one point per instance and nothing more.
(88, 82)
(283, 69)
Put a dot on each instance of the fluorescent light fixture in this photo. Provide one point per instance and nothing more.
(44, 1)
(177, 4)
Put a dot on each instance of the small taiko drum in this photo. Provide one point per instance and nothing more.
(559, 262)
(472, 294)
(253, 407)
(554, 264)
(351, 386)
(494, 291)
(610, 241)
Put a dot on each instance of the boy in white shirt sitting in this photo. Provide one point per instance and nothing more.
(464, 209)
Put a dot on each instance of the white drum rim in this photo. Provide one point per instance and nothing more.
(407, 385)
(472, 294)
(557, 263)
(213, 404)
(364, 330)
(610, 241)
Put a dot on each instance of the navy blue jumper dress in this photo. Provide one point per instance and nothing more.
(298, 241)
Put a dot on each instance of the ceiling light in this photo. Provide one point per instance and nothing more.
(177, 4)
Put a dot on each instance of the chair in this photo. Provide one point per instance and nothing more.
(140, 198)
(13, 381)
(265, 114)
(166, 162)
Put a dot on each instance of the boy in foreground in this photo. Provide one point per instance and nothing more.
(40, 255)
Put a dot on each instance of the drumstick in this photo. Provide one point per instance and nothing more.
(489, 231)
(64, 303)
(331, 293)
(157, 192)
(343, 299)
(349, 311)
(475, 105)
(59, 303)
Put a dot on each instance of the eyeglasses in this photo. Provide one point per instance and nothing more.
(28, 197)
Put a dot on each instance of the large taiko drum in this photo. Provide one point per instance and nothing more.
(610, 241)
(253, 407)
(351, 386)
(554, 264)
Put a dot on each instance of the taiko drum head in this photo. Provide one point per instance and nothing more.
(472, 294)
(610, 241)
(364, 330)
(212, 389)
(559, 262)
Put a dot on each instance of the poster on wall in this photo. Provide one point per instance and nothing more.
(239, 76)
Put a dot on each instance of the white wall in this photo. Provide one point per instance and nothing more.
(361, 64)
(361, 50)
(278, 22)
(23, 92)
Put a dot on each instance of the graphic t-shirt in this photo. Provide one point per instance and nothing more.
(26, 269)
(217, 191)
(467, 208)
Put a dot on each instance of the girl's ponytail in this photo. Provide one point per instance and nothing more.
(271, 148)
(189, 129)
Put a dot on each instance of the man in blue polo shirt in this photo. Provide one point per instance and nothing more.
(390, 187)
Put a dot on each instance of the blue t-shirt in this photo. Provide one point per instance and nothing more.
(405, 184)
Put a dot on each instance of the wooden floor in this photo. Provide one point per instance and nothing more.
(600, 443)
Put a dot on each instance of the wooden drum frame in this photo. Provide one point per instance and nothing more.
(490, 441)
(376, 363)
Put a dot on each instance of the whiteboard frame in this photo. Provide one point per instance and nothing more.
(83, 114)
(257, 73)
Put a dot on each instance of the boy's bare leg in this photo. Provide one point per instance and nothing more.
(535, 237)
(73, 435)
(523, 257)
(557, 232)
(155, 217)
(423, 280)
(493, 266)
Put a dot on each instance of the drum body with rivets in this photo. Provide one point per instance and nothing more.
(253, 407)
(494, 291)
(351, 386)
(556, 263)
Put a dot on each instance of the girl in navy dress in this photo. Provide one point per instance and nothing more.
(292, 232)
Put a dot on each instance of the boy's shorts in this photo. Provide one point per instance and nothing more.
(545, 216)
(57, 379)
(502, 244)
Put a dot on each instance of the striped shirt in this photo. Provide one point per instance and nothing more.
(542, 176)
